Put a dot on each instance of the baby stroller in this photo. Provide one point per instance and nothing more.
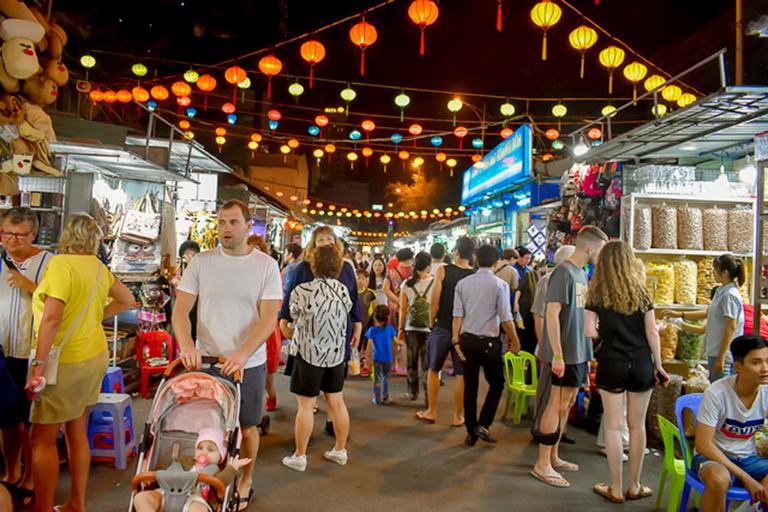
(183, 405)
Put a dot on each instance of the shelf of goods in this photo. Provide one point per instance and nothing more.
(679, 236)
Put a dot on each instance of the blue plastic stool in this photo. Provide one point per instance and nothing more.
(113, 380)
(111, 418)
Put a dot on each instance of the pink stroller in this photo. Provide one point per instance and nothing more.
(183, 405)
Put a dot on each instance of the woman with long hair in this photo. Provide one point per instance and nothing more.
(377, 278)
(620, 313)
(725, 315)
(414, 325)
(69, 307)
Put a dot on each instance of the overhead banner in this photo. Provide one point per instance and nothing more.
(507, 164)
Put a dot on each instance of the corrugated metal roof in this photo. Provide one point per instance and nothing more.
(186, 155)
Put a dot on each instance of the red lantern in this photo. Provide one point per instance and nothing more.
(312, 52)
(206, 83)
(270, 66)
(321, 121)
(506, 133)
(235, 75)
(552, 134)
(423, 13)
(363, 35)
(124, 96)
(477, 157)
(96, 96)
(415, 129)
(274, 115)
(460, 132)
(110, 96)
(140, 94)
(181, 89)
(595, 133)
(159, 92)
(228, 108)
(184, 101)
(368, 125)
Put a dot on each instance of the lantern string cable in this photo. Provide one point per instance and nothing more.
(625, 45)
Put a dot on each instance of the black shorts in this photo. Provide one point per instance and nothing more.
(18, 412)
(620, 375)
(310, 380)
(575, 376)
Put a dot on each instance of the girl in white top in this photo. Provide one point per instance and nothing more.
(376, 283)
(414, 320)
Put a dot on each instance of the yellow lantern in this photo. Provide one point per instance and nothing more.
(611, 58)
(256, 137)
(385, 159)
(582, 39)
(352, 156)
(634, 72)
(653, 82)
(451, 163)
(671, 93)
(559, 110)
(253, 146)
(221, 141)
(285, 149)
(686, 99)
(659, 110)
(318, 153)
(87, 61)
(545, 15)
(608, 111)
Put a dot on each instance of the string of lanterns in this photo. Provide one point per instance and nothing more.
(378, 234)
(324, 209)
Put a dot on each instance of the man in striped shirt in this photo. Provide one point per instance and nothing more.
(21, 269)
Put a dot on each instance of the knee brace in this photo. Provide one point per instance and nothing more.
(547, 439)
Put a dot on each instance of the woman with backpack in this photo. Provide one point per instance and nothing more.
(415, 297)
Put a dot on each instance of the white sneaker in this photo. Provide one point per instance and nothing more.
(624, 456)
(339, 457)
(295, 462)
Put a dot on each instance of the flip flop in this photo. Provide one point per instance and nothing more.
(420, 416)
(604, 490)
(645, 492)
(552, 480)
(566, 466)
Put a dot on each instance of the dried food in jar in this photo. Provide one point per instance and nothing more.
(664, 227)
(686, 275)
(715, 227)
(740, 230)
(660, 281)
(689, 228)
(643, 228)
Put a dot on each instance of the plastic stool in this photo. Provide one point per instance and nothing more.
(117, 407)
(113, 380)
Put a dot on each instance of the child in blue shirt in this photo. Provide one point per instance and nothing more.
(382, 336)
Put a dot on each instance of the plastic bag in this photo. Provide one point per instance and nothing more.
(690, 233)
(705, 281)
(643, 236)
(740, 230)
(668, 337)
(686, 273)
(354, 362)
(660, 280)
(664, 227)
(715, 227)
(689, 346)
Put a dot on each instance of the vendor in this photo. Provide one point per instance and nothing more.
(725, 316)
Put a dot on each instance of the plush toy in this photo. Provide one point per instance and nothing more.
(56, 71)
(19, 56)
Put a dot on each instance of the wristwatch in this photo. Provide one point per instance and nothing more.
(36, 362)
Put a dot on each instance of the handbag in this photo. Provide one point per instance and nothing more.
(51, 368)
(142, 224)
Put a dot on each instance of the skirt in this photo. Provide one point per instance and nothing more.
(77, 388)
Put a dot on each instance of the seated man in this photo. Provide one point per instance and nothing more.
(731, 411)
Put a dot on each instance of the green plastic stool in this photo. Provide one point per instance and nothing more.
(672, 467)
(516, 386)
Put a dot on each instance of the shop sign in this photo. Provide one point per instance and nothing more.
(507, 164)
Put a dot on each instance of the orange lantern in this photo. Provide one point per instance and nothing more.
(184, 101)
(441, 157)
(460, 132)
(228, 108)
(159, 92)
(140, 94)
(124, 96)
(415, 129)
(423, 13)
(368, 125)
(363, 35)
(220, 132)
(206, 83)
(367, 152)
(403, 155)
(321, 121)
(96, 96)
(181, 89)
(184, 124)
(330, 148)
(312, 52)
(595, 133)
(270, 66)
(477, 157)
(506, 133)
(552, 134)
(235, 75)
(274, 115)
(110, 96)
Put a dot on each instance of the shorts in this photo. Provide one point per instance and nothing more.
(309, 380)
(439, 344)
(754, 466)
(77, 387)
(193, 498)
(620, 375)
(18, 412)
(274, 344)
(252, 393)
(575, 376)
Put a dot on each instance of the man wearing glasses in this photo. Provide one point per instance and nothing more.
(21, 269)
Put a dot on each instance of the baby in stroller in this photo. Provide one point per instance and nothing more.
(210, 458)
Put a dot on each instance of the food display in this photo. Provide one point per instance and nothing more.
(660, 281)
(690, 233)
(689, 346)
(705, 281)
(715, 227)
(686, 281)
(643, 228)
(668, 337)
(664, 232)
(740, 230)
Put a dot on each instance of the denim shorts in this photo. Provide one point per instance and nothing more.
(754, 466)
(727, 367)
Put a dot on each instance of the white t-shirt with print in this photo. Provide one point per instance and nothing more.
(734, 424)
(228, 290)
(420, 287)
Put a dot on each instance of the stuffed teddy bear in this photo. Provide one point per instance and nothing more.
(18, 51)
(56, 70)
(36, 130)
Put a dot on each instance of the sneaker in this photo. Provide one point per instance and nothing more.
(624, 456)
(271, 403)
(339, 457)
(365, 372)
(296, 463)
(375, 402)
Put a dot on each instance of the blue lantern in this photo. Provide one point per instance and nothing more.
(191, 112)
(152, 105)
(396, 138)
(313, 131)
(231, 118)
(273, 125)
(477, 143)
(436, 141)
(355, 135)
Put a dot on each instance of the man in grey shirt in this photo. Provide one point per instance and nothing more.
(481, 302)
(568, 351)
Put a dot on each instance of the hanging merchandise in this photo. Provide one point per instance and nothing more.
(140, 225)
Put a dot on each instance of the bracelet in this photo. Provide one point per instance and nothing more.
(558, 358)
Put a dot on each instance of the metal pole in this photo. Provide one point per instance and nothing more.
(721, 66)
(739, 79)
(150, 124)
(170, 149)
(757, 262)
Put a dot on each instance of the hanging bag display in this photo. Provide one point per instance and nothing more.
(142, 224)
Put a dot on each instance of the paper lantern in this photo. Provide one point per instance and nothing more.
(611, 58)
(274, 115)
(318, 153)
(110, 96)
(313, 130)
(396, 138)
(423, 13)
(321, 121)
(221, 141)
(634, 72)
(582, 39)
(253, 146)
(477, 143)
(348, 94)
(402, 100)
(181, 89)
(686, 99)
(384, 159)
(330, 148)
(191, 112)
(546, 157)
(235, 74)
(436, 141)
(363, 35)
(659, 110)
(441, 157)
(189, 135)
(415, 129)
(403, 155)
(559, 110)
(245, 84)
(653, 82)
(368, 125)
(151, 105)
(273, 125)
(184, 124)
(507, 109)
(87, 61)
(295, 89)
(220, 131)
(671, 93)
(139, 69)
(506, 133)
(552, 134)
(545, 15)
(313, 52)
(270, 66)
(355, 135)
(206, 83)
(454, 105)
(418, 161)
(256, 137)
(191, 76)
(608, 111)
(367, 152)
(594, 133)
(351, 156)
(159, 92)
(140, 94)
(293, 143)
(285, 149)
(476, 157)
(451, 163)
(460, 132)
(96, 96)
(184, 102)
(228, 108)
(124, 96)
(557, 145)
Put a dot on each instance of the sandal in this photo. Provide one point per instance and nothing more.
(554, 481)
(644, 492)
(565, 466)
(420, 416)
(460, 424)
(604, 490)
(244, 501)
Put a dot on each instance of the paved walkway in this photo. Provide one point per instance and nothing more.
(397, 463)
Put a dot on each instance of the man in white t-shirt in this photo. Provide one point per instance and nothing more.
(732, 410)
(238, 291)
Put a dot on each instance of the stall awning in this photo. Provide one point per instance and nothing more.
(724, 122)
(112, 161)
(185, 155)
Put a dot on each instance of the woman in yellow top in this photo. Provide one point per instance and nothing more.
(70, 303)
